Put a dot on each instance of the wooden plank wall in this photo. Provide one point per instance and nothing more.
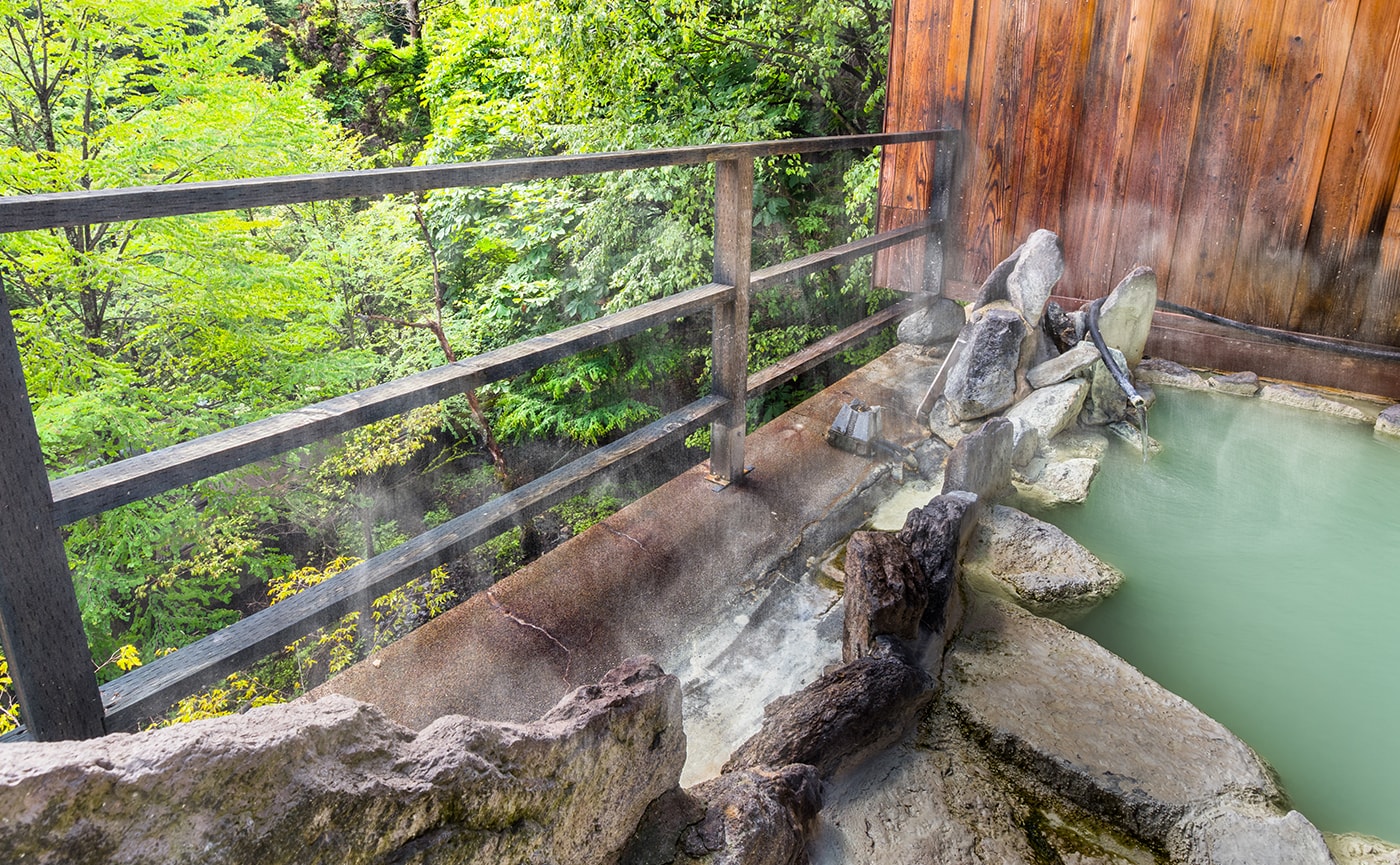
(1247, 150)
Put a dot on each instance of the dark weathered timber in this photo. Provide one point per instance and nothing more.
(825, 348)
(30, 212)
(730, 334)
(40, 625)
(107, 487)
(818, 261)
(150, 690)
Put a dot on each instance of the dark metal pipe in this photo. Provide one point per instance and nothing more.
(1119, 374)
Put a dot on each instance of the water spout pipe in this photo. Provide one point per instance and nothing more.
(1119, 374)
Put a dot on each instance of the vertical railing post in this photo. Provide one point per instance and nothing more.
(40, 624)
(733, 241)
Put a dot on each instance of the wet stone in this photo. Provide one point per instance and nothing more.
(1388, 422)
(1239, 383)
(1158, 371)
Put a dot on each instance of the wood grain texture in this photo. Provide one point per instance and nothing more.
(730, 334)
(149, 690)
(1341, 258)
(1166, 121)
(1298, 109)
(40, 625)
(1227, 137)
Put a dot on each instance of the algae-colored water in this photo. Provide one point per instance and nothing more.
(1262, 556)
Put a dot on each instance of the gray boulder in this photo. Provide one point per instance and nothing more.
(1071, 363)
(1038, 267)
(1297, 397)
(1238, 383)
(335, 782)
(981, 462)
(1126, 317)
(1025, 442)
(937, 536)
(983, 382)
(885, 593)
(1052, 409)
(1106, 401)
(1058, 482)
(1134, 437)
(1158, 371)
(1038, 565)
(939, 321)
(1388, 421)
(1056, 705)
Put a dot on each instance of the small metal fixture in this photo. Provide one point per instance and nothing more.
(857, 428)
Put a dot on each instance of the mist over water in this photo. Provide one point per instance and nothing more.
(1262, 556)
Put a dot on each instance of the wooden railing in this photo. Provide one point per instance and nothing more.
(39, 620)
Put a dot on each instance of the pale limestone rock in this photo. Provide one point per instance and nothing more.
(1247, 834)
(1157, 371)
(335, 782)
(1056, 705)
(1025, 442)
(1063, 482)
(1071, 363)
(1388, 421)
(1037, 564)
(1051, 409)
(1076, 443)
(1355, 849)
(1238, 383)
(1297, 397)
(1126, 316)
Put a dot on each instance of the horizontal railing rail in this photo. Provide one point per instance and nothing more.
(58, 693)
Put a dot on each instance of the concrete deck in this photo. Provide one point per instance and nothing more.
(670, 565)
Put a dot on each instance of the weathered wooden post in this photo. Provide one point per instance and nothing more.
(733, 241)
(40, 624)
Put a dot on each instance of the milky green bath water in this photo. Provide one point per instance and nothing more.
(1262, 556)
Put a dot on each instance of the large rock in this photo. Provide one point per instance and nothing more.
(1126, 316)
(1231, 833)
(1058, 482)
(335, 782)
(856, 708)
(937, 536)
(1052, 409)
(1106, 401)
(981, 462)
(1388, 421)
(1159, 371)
(1071, 363)
(885, 593)
(1038, 267)
(938, 321)
(1036, 563)
(1056, 705)
(1297, 397)
(755, 817)
(1238, 383)
(983, 382)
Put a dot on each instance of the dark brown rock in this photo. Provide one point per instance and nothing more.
(981, 462)
(885, 593)
(1060, 327)
(937, 536)
(857, 707)
(756, 816)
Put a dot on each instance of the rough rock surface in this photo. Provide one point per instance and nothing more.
(1126, 316)
(1038, 564)
(1239, 383)
(1362, 850)
(1061, 482)
(937, 322)
(1071, 363)
(1075, 443)
(754, 817)
(981, 462)
(1061, 327)
(948, 430)
(1025, 442)
(885, 593)
(1106, 402)
(1247, 834)
(1121, 747)
(937, 536)
(1039, 265)
(853, 709)
(984, 380)
(1297, 397)
(1134, 437)
(937, 797)
(1051, 409)
(1159, 371)
(333, 781)
(1388, 421)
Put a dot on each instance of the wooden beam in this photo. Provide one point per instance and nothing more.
(827, 347)
(730, 336)
(132, 479)
(148, 691)
(40, 625)
(31, 212)
(818, 261)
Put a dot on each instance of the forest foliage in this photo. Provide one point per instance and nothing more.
(137, 335)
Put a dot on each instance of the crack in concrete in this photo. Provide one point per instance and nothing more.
(524, 623)
(639, 544)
